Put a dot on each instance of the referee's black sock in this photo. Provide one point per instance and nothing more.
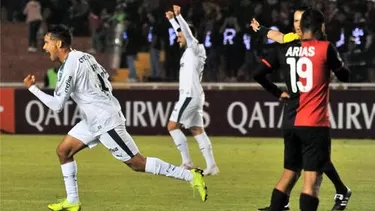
(330, 171)
(308, 203)
(278, 200)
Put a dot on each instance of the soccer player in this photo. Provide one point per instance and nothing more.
(83, 79)
(306, 65)
(188, 111)
(343, 193)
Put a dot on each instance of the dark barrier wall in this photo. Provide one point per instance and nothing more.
(229, 113)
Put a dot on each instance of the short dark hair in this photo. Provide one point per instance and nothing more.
(61, 32)
(312, 20)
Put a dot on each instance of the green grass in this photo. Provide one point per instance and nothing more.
(31, 176)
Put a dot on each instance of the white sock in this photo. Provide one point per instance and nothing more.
(206, 149)
(69, 171)
(159, 167)
(179, 139)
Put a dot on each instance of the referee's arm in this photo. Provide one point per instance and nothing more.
(264, 31)
(260, 75)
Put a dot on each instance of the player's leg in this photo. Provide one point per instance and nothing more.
(193, 119)
(177, 135)
(292, 167)
(309, 200)
(77, 139)
(316, 145)
(331, 172)
(205, 147)
(123, 147)
(343, 193)
(287, 192)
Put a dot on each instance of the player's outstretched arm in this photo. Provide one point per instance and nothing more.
(170, 16)
(61, 94)
(184, 25)
(264, 31)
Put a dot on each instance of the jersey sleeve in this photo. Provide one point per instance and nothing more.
(64, 87)
(190, 39)
(290, 37)
(174, 24)
(266, 66)
(333, 58)
(336, 65)
(271, 59)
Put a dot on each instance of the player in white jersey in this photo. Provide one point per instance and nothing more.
(188, 111)
(86, 82)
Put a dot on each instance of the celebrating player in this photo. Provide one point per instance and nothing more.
(306, 66)
(343, 193)
(83, 79)
(188, 111)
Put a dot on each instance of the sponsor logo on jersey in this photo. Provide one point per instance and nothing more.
(67, 83)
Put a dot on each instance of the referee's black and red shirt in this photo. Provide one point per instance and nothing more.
(306, 66)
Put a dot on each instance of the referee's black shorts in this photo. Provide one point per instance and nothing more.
(307, 148)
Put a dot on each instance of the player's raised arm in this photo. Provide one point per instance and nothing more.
(264, 31)
(184, 26)
(170, 16)
(62, 92)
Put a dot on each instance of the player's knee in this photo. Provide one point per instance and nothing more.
(312, 182)
(137, 163)
(172, 126)
(195, 131)
(62, 152)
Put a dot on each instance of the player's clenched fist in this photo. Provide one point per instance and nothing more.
(169, 15)
(29, 81)
(176, 9)
(254, 24)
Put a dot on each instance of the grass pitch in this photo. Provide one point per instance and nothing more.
(250, 167)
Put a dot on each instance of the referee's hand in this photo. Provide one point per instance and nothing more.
(29, 81)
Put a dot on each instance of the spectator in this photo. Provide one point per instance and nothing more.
(212, 41)
(79, 12)
(232, 44)
(131, 47)
(34, 19)
(155, 46)
(50, 78)
(99, 31)
(172, 52)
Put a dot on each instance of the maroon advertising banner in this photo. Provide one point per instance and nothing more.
(252, 113)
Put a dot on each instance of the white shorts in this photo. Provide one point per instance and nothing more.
(188, 112)
(118, 140)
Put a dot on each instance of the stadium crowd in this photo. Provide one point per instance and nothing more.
(223, 26)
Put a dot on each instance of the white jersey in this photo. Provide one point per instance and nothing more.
(191, 63)
(83, 79)
(191, 70)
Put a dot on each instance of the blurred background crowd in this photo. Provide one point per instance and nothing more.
(128, 28)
